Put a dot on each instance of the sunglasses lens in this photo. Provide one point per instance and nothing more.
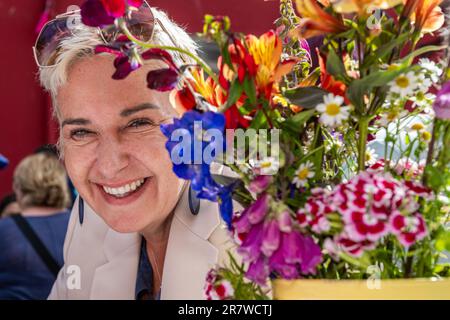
(50, 38)
(141, 23)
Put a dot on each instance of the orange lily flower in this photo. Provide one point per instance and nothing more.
(266, 51)
(428, 16)
(261, 57)
(183, 100)
(315, 20)
(328, 82)
(363, 7)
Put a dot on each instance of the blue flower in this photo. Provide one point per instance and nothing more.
(191, 139)
(3, 162)
(193, 143)
(225, 201)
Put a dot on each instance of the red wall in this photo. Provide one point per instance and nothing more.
(25, 121)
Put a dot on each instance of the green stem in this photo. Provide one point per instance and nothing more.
(362, 141)
(198, 60)
(430, 151)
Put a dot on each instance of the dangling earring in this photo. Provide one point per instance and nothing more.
(194, 202)
(81, 210)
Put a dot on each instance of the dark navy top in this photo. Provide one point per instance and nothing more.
(23, 274)
(144, 279)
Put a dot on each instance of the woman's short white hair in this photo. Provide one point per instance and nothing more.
(84, 39)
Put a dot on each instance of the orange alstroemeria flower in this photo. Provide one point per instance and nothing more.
(328, 82)
(428, 16)
(266, 51)
(184, 100)
(265, 65)
(315, 20)
(363, 7)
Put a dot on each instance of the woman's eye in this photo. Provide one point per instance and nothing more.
(139, 123)
(79, 134)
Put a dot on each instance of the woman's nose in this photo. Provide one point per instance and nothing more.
(112, 158)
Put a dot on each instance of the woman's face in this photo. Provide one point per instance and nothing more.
(113, 148)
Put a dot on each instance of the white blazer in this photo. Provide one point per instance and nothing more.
(106, 262)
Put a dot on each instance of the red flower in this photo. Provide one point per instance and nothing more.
(99, 13)
(328, 82)
(408, 229)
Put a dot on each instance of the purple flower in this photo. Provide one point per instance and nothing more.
(3, 162)
(260, 183)
(99, 13)
(258, 271)
(251, 246)
(258, 210)
(305, 46)
(292, 247)
(94, 14)
(285, 221)
(441, 105)
(271, 237)
(128, 59)
(242, 224)
(162, 79)
(278, 263)
(311, 255)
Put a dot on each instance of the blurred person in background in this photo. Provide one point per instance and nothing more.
(31, 243)
(9, 205)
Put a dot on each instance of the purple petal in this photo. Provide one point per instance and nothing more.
(311, 255)
(260, 183)
(271, 238)
(258, 271)
(441, 105)
(242, 225)
(257, 211)
(251, 247)
(162, 79)
(123, 67)
(292, 247)
(135, 3)
(160, 54)
(115, 8)
(93, 14)
(285, 221)
(108, 49)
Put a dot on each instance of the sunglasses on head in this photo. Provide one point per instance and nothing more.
(141, 24)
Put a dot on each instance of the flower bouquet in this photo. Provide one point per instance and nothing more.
(339, 171)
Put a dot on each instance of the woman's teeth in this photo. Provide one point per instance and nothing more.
(125, 189)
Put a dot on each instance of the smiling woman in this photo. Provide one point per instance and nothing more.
(137, 227)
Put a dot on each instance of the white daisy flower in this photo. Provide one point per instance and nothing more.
(423, 100)
(423, 83)
(433, 69)
(371, 157)
(303, 173)
(391, 116)
(405, 84)
(268, 166)
(333, 113)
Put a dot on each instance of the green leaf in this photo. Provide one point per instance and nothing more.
(259, 121)
(406, 60)
(226, 56)
(336, 67)
(250, 90)
(359, 87)
(234, 93)
(443, 242)
(306, 97)
(384, 50)
(296, 122)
